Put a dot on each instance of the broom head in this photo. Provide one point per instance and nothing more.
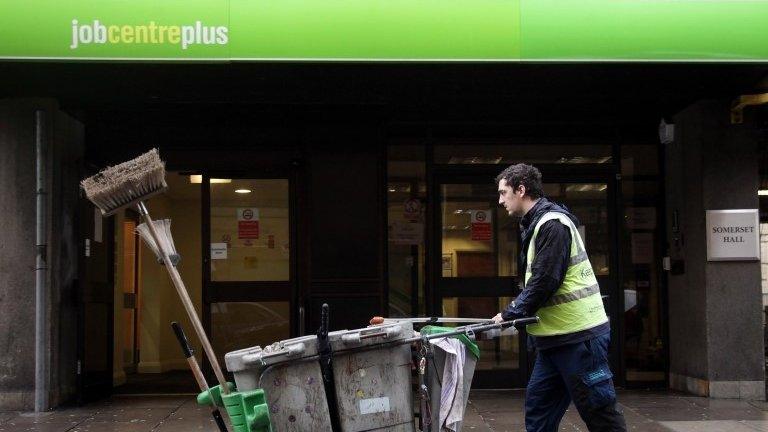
(163, 228)
(123, 185)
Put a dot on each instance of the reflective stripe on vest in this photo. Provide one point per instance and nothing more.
(577, 304)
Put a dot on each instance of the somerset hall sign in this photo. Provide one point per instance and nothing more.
(733, 235)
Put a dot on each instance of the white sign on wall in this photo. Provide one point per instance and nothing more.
(733, 235)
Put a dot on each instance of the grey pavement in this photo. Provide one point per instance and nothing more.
(488, 411)
(651, 411)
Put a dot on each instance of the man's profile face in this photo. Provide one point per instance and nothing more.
(512, 200)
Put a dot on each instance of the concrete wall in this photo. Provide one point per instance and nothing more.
(17, 251)
(714, 307)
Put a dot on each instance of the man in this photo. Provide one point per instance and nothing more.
(560, 287)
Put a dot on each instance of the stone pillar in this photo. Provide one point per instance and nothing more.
(715, 308)
(17, 251)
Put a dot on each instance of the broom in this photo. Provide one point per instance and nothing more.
(128, 184)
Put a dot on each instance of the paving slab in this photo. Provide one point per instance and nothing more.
(708, 426)
(487, 411)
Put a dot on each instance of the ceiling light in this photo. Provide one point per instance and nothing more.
(198, 178)
(762, 192)
(243, 191)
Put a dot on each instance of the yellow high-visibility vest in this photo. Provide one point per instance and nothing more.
(577, 304)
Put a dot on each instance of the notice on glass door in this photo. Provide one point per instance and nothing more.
(642, 248)
(218, 251)
(248, 223)
(480, 225)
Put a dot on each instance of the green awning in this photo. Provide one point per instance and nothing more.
(386, 30)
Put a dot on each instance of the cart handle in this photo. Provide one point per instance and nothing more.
(355, 338)
(520, 322)
(470, 330)
(290, 351)
(378, 320)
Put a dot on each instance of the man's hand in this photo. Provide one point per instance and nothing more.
(497, 319)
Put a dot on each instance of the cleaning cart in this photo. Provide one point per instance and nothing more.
(366, 387)
(366, 382)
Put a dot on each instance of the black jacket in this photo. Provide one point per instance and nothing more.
(553, 247)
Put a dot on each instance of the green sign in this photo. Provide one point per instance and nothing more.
(385, 30)
(657, 30)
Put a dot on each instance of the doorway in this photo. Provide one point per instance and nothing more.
(248, 267)
(476, 270)
(234, 235)
(147, 357)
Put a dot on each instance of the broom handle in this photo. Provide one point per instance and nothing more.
(189, 355)
(185, 300)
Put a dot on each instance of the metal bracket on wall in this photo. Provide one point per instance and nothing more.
(737, 108)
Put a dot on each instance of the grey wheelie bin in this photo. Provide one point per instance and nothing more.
(372, 377)
(372, 380)
(289, 373)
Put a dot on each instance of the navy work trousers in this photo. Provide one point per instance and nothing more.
(577, 372)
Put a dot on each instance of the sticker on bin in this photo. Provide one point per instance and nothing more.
(374, 405)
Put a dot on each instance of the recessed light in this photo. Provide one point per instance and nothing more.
(198, 178)
(243, 191)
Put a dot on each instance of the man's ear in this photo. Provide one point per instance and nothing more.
(522, 190)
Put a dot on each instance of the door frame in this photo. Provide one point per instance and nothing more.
(133, 215)
(91, 388)
(254, 291)
(440, 287)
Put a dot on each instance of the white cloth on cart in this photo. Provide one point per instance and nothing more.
(452, 392)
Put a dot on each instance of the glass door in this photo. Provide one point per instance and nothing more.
(249, 289)
(476, 271)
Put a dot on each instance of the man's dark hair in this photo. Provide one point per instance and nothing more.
(525, 175)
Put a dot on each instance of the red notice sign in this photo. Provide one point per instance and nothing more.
(481, 225)
(412, 209)
(247, 223)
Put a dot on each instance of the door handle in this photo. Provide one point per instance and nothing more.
(301, 321)
(129, 300)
